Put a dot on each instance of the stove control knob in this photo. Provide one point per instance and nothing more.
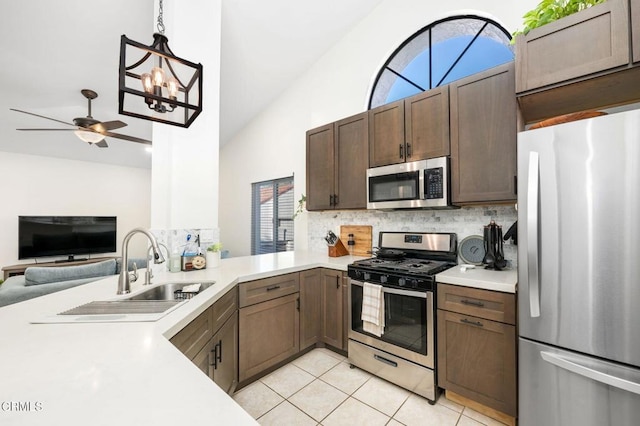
(384, 278)
(414, 283)
(401, 282)
(358, 273)
(367, 276)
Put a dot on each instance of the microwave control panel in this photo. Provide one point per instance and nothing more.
(434, 183)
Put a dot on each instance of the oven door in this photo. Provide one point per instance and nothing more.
(409, 324)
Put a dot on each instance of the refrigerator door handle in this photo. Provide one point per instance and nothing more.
(572, 365)
(533, 190)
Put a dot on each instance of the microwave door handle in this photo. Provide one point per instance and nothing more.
(533, 222)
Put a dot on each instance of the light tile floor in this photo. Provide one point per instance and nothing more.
(320, 388)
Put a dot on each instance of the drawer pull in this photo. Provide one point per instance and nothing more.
(472, 303)
(274, 287)
(385, 361)
(476, 323)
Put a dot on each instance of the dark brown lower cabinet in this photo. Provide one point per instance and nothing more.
(322, 308)
(269, 333)
(310, 307)
(477, 360)
(332, 308)
(477, 356)
(211, 341)
(223, 357)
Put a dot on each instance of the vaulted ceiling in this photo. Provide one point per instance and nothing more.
(51, 50)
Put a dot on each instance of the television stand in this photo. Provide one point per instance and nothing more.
(71, 258)
(9, 271)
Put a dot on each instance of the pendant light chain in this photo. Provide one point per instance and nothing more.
(160, 24)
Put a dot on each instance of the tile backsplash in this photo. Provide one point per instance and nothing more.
(175, 241)
(464, 222)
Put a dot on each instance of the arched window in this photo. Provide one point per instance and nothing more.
(440, 53)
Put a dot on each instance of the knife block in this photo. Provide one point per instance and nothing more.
(338, 249)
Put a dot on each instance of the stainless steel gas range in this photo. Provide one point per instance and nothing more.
(405, 266)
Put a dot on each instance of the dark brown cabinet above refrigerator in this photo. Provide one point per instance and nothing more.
(588, 60)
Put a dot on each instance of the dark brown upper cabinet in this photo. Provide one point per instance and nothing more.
(483, 137)
(589, 60)
(592, 40)
(386, 134)
(337, 161)
(320, 163)
(427, 124)
(411, 129)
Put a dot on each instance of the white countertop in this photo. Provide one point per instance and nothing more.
(122, 373)
(505, 281)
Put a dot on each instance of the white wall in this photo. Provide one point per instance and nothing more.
(185, 161)
(34, 185)
(273, 144)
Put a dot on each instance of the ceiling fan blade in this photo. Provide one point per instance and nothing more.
(107, 125)
(102, 144)
(42, 116)
(127, 138)
(48, 130)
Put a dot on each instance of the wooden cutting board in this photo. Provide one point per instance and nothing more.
(362, 235)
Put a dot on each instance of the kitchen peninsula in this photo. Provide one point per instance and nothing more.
(123, 373)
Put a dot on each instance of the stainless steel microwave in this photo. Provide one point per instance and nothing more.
(415, 185)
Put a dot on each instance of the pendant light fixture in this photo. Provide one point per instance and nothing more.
(157, 85)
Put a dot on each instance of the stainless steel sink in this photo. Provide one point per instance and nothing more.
(122, 307)
(148, 305)
(170, 291)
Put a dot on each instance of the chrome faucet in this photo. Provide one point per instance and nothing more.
(149, 273)
(124, 281)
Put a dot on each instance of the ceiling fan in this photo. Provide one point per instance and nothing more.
(88, 128)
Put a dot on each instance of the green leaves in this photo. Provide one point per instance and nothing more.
(551, 10)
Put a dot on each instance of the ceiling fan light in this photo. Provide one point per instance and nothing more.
(89, 137)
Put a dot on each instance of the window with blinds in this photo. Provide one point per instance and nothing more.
(272, 216)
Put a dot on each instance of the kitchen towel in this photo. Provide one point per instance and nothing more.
(372, 309)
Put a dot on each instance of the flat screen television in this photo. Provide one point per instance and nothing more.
(43, 236)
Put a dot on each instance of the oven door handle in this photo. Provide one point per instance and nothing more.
(420, 294)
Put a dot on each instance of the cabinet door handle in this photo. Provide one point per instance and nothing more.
(476, 323)
(298, 303)
(218, 353)
(273, 287)
(401, 151)
(472, 303)
(337, 281)
(408, 150)
(214, 352)
(331, 199)
(211, 363)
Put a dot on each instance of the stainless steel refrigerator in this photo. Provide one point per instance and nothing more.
(579, 273)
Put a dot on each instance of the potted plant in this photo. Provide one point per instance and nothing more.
(551, 10)
(213, 255)
(301, 203)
